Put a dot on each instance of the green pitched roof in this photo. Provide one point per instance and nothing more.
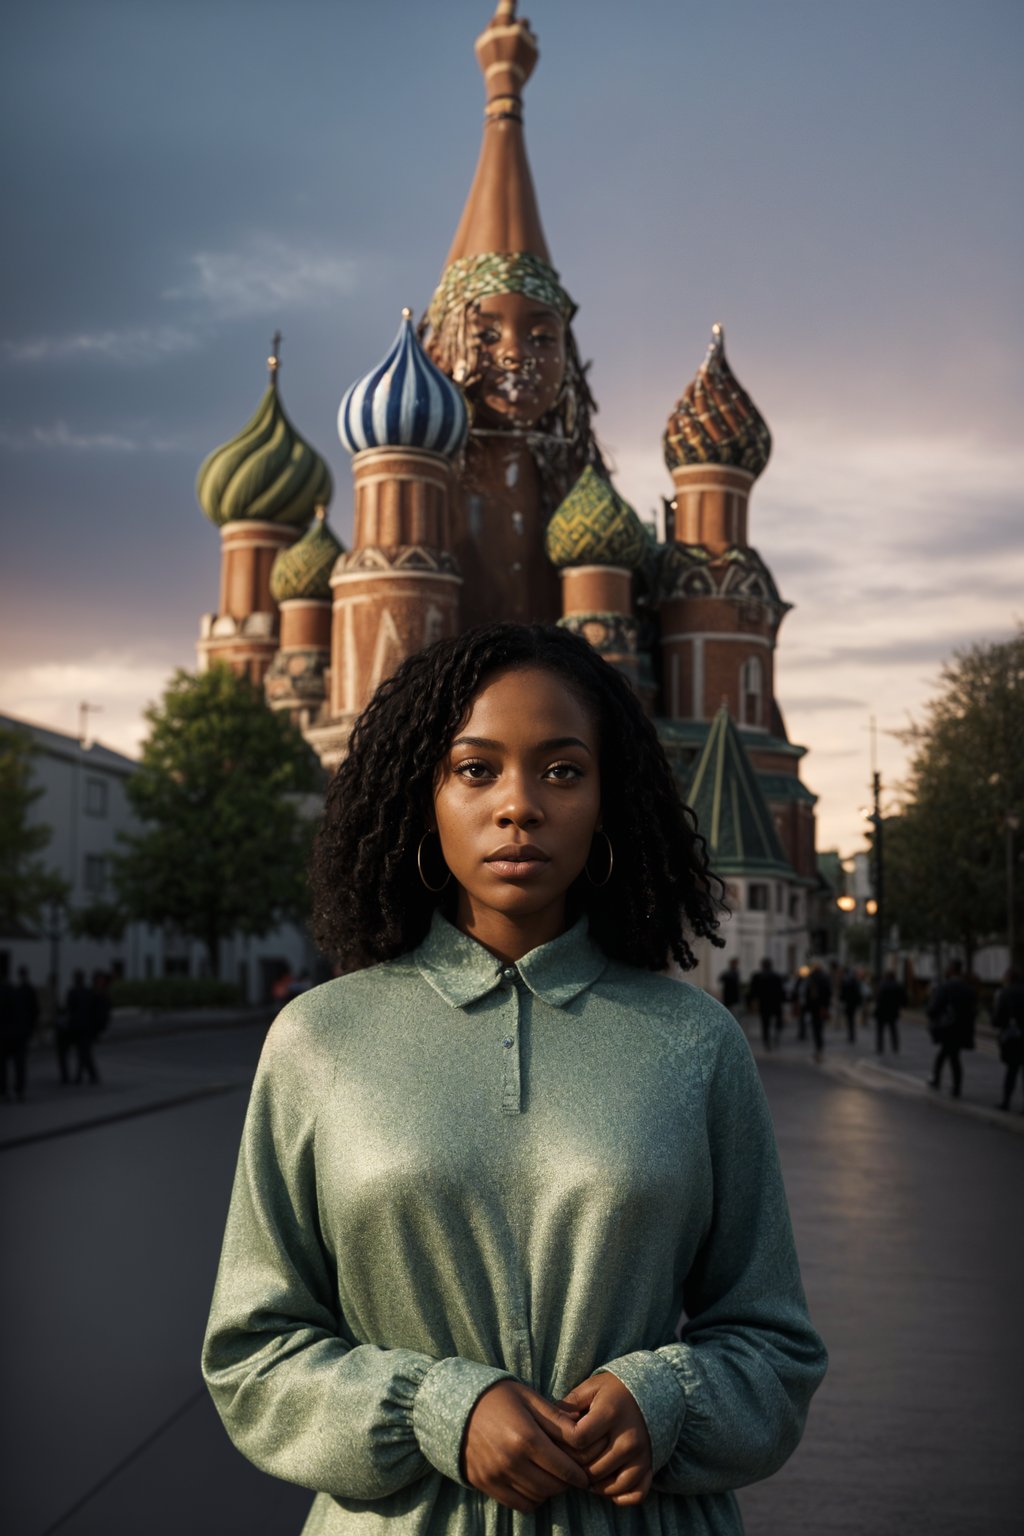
(731, 810)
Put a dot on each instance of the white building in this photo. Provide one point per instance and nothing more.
(85, 806)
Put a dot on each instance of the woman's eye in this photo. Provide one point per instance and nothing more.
(471, 769)
(545, 338)
(564, 773)
(488, 337)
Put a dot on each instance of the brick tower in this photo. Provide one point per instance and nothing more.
(398, 587)
(260, 490)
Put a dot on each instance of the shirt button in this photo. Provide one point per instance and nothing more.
(508, 1042)
(509, 973)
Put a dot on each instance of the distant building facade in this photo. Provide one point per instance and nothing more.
(86, 809)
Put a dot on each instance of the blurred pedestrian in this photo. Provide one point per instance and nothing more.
(891, 1000)
(12, 1048)
(801, 1006)
(766, 994)
(1008, 1019)
(951, 1013)
(81, 1023)
(850, 998)
(732, 987)
(818, 1003)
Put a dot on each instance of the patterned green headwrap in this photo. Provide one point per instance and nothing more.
(472, 277)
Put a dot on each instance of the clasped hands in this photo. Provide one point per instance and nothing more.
(521, 1449)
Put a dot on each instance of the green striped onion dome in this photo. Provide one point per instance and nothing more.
(304, 569)
(268, 473)
(715, 421)
(595, 526)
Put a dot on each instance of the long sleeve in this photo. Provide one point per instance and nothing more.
(297, 1396)
(726, 1405)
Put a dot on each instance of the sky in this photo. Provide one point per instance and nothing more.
(839, 185)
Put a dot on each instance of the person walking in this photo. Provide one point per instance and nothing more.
(850, 999)
(889, 1003)
(818, 1002)
(766, 994)
(25, 1017)
(81, 1020)
(952, 1012)
(1008, 1020)
(484, 1169)
(731, 987)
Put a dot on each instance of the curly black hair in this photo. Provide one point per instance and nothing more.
(369, 903)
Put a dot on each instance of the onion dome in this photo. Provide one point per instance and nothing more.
(268, 473)
(304, 569)
(715, 421)
(595, 526)
(405, 402)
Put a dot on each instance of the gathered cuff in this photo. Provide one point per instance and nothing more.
(647, 1375)
(443, 1403)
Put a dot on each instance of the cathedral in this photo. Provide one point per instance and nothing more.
(481, 494)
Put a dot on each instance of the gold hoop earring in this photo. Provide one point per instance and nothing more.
(611, 862)
(433, 889)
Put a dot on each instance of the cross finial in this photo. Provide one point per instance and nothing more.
(274, 360)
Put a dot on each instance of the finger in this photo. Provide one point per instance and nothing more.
(556, 1424)
(585, 1458)
(599, 1421)
(628, 1480)
(551, 1459)
(581, 1397)
(636, 1496)
(626, 1449)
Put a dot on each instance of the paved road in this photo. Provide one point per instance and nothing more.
(907, 1211)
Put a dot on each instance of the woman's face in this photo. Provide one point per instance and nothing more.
(519, 347)
(517, 800)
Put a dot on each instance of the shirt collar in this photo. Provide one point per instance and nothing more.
(462, 970)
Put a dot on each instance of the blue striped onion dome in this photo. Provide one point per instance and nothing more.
(267, 473)
(405, 402)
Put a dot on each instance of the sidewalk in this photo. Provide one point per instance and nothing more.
(133, 1081)
(907, 1070)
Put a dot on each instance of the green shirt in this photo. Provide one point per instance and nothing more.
(454, 1171)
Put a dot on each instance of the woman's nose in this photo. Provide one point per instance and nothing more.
(519, 806)
(511, 351)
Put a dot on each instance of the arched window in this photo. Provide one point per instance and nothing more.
(752, 692)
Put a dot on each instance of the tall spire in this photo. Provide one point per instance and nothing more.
(501, 211)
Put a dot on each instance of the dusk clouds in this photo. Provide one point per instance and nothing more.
(834, 184)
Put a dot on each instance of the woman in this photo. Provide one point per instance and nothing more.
(483, 1173)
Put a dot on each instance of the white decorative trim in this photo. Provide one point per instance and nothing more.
(698, 675)
(394, 574)
(581, 570)
(295, 603)
(713, 634)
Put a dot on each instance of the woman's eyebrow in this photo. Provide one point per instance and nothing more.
(551, 745)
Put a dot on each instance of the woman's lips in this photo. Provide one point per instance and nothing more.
(517, 863)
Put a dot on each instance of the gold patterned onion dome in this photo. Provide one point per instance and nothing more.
(268, 473)
(304, 570)
(715, 421)
(595, 526)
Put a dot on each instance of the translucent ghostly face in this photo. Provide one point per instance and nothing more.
(519, 352)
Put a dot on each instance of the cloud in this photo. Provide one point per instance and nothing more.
(62, 437)
(130, 346)
(818, 701)
(265, 276)
(119, 684)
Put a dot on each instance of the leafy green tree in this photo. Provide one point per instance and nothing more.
(946, 854)
(224, 842)
(26, 885)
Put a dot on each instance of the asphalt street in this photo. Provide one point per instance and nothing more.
(907, 1213)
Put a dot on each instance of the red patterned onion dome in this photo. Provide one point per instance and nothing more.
(715, 421)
